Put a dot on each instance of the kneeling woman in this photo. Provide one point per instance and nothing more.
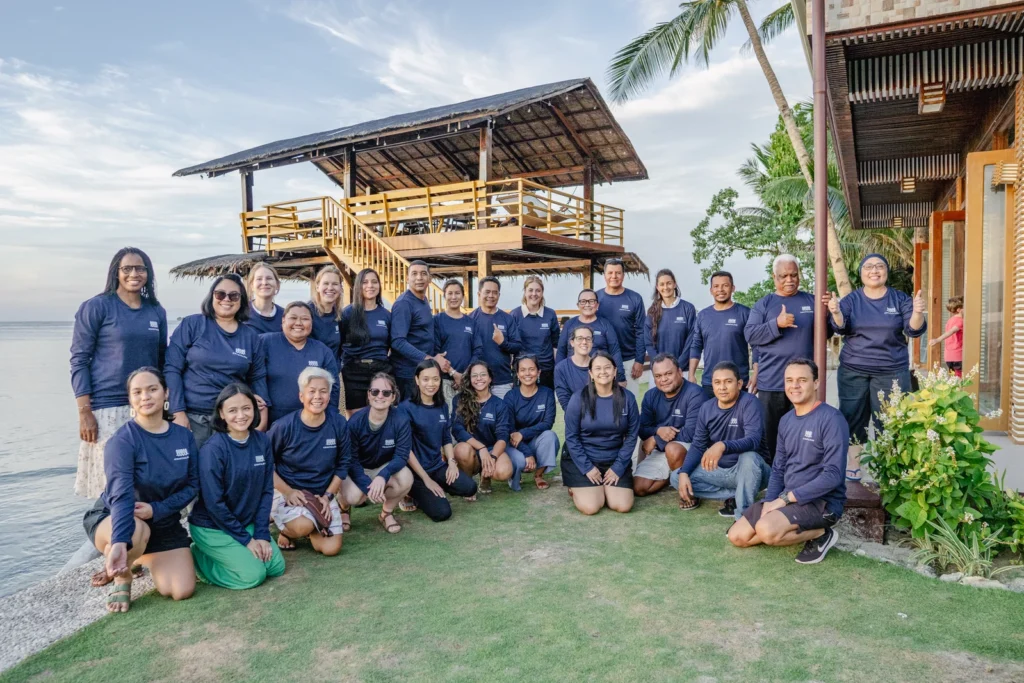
(380, 440)
(230, 522)
(531, 407)
(311, 457)
(151, 469)
(601, 426)
(431, 426)
(481, 428)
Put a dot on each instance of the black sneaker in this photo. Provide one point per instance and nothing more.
(728, 508)
(815, 550)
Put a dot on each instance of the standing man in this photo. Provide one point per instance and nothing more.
(412, 329)
(500, 334)
(719, 335)
(807, 490)
(624, 309)
(780, 328)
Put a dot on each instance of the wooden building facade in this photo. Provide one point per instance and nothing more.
(926, 108)
(501, 185)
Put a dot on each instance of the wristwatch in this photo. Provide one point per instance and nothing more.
(784, 498)
(331, 497)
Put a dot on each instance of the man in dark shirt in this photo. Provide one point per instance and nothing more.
(412, 329)
(719, 336)
(807, 489)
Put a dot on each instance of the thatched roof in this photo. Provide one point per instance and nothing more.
(545, 132)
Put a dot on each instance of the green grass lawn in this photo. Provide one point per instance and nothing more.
(521, 587)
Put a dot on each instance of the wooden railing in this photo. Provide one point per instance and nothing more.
(473, 205)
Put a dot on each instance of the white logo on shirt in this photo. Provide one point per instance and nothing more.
(469, 329)
(733, 422)
(680, 319)
(313, 364)
(890, 310)
(382, 323)
(624, 307)
(441, 416)
(154, 325)
(805, 309)
(260, 460)
(389, 443)
(489, 416)
(597, 332)
(330, 443)
(732, 321)
(808, 435)
(677, 412)
(181, 454)
(501, 327)
(545, 326)
(240, 352)
(540, 407)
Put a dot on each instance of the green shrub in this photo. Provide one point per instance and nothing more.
(943, 548)
(931, 462)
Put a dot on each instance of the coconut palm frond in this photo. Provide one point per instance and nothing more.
(773, 25)
(649, 55)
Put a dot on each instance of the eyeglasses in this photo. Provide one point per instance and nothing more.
(588, 340)
(873, 266)
(220, 295)
(587, 302)
(482, 375)
(128, 270)
(387, 393)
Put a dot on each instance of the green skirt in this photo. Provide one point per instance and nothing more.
(223, 561)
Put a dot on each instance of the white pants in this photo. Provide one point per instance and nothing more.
(632, 384)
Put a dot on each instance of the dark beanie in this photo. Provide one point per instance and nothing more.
(877, 256)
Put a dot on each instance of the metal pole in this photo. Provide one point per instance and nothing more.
(820, 191)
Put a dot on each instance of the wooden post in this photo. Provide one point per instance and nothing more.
(246, 177)
(486, 135)
(467, 284)
(588, 277)
(588, 196)
(349, 181)
(483, 264)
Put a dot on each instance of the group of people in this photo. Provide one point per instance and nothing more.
(253, 412)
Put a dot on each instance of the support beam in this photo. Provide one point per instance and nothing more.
(510, 152)
(442, 148)
(483, 263)
(486, 153)
(400, 166)
(588, 191)
(588, 277)
(581, 145)
(465, 271)
(820, 192)
(247, 205)
(549, 172)
(348, 183)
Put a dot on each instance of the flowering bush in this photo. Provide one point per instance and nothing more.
(931, 462)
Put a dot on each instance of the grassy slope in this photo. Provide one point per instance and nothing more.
(521, 587)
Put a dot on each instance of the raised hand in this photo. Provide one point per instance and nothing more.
(785, 319)
(832, 301)
(920, 305)
(498, 336)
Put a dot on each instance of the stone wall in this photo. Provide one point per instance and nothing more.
(847, 15)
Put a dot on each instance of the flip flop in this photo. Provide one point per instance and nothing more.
(291, 540)
(541, 484)
(853, 475)
(692, 505)
(407, 504)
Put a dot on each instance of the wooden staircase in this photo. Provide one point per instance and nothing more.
(352, 245)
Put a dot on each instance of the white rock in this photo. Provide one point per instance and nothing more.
(981, 582)
(925, 570)
(860, 552)
(1017, 586)
(951, 578)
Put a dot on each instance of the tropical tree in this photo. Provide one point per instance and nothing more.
(694, 33)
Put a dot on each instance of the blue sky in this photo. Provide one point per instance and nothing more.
(101, 101)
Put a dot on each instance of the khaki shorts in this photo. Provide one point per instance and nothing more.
(654, 466)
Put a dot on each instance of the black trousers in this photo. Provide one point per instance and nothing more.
(439, 509)
(775, 406)
(547, 379)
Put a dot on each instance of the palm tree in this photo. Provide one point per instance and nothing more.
(695, 31)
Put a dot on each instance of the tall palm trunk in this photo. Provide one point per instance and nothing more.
(835, 254)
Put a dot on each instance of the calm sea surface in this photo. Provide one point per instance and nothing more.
(40, 515)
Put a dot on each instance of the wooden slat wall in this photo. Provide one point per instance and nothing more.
(1016, 421)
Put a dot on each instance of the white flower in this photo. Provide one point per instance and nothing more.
(933, 435)
(892, 482)
(994, 414)
(940, 420)
(968, 518)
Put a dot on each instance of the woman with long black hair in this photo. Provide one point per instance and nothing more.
(671, 320)
(481, 428)
(601, 427)
(210, 350)
(116, 332)
(365, 339)
(533, 444)
(152, 474)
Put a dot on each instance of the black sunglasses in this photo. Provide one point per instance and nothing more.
(387, 393)
(220, 295)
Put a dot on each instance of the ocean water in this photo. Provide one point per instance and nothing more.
(40, 516)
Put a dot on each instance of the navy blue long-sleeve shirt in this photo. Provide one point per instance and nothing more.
(875, 331)
(740, 427)
(598, 440)
(459, 340)
(202, 359)
(431, 428)
(810, 460)
(498, 356)
(326, 330)
(569, 379)
(531, 416)
(265, 324)
(378, 324)
(308, 458)
(285, 363)
(775, 347)
(236, 486)
(628, 317)
(159, 469)
(491, 427)
(719, 336)
(680, 411)
(412, 333)
(110, 341)
(539, 335)
(675, 332)
(605, 339)
(386, 447)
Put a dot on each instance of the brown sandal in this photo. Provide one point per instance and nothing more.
(392, 528)
(346, 520)
(541, 484)
(692, 504)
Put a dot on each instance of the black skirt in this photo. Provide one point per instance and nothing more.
(165, 535)
(358, 375)
(573, 478)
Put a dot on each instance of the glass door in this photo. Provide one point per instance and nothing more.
(987, 297)
(942, 270)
